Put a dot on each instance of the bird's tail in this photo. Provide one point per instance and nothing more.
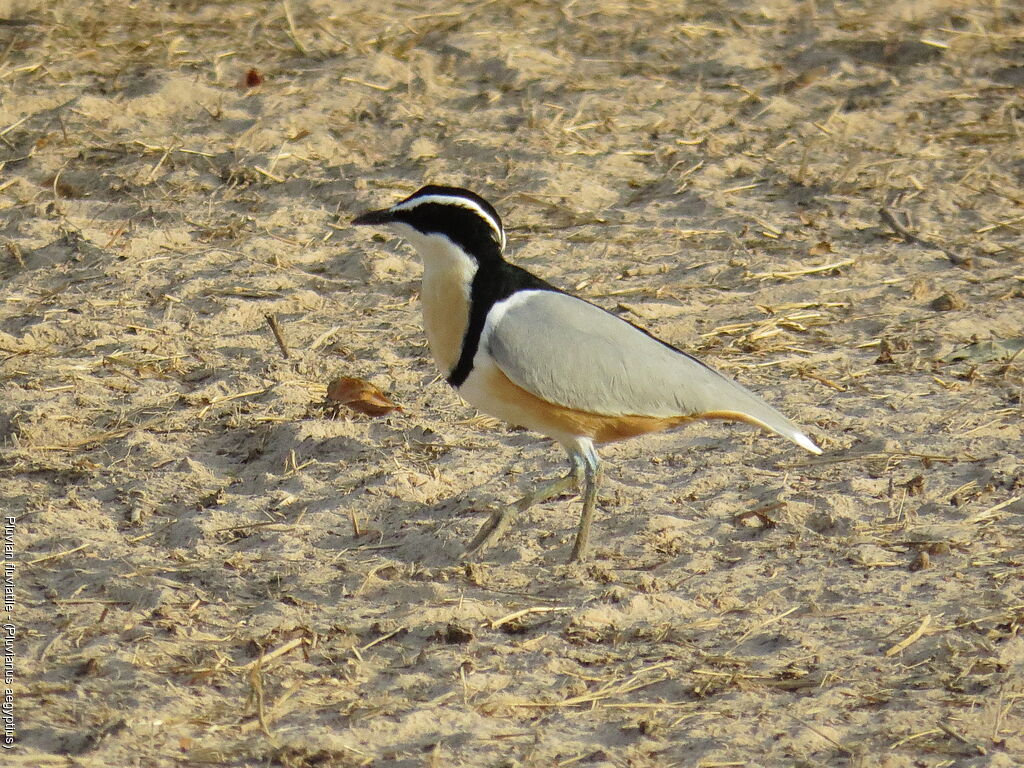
(744, 405)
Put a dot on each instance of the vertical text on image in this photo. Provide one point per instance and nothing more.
(7, 638)
(8, 561)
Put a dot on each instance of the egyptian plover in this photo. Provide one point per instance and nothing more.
(526, 352)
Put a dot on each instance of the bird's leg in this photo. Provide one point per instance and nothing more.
(500, 520)
(591, 479)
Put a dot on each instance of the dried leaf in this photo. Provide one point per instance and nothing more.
(252, 78)
(821, 248)
(361, 396)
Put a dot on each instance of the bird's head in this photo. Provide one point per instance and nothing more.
(444, 221)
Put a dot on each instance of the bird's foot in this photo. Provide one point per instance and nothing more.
(490, 532)
(500, 520)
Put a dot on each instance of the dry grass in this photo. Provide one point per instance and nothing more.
(824, 199)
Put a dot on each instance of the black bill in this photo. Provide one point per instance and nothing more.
(383, 216)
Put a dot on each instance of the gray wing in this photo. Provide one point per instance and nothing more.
(573, 353)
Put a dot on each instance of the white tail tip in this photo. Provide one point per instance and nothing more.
(806, 443)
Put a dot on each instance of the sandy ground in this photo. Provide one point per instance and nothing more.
(191, 588)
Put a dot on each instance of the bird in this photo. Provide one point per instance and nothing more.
(528, 353)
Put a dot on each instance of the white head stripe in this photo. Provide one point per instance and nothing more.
(462, 202)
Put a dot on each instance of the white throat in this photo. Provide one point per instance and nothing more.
(436, 251)
(448, 273)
